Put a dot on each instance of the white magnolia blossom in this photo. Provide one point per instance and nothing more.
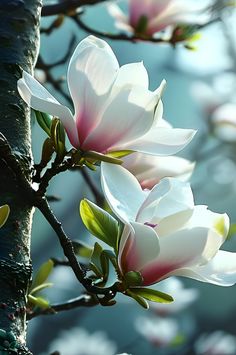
(149, 170)
(164, 233)
(160, 332)
(77, 341)
(217, 343)
(224, 122)
(114, 110)
(182, 296)
(157, 15)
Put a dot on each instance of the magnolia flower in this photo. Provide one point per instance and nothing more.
(224, 122)
(164, 233)
(217, 343)
(150, 170)
(114, 110)
(160, 332)
(78, 341)
(151, 16)
(182, 296)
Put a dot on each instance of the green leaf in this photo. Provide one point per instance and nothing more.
(82, 250)
(40, 288)
(38, 302)
(4, 213)
(141, 301)
(152, 295)
(99, 222)
(42, 274)
(47, 152)
(44, 120)
(133, 278)
(95, 262)
(141, 26)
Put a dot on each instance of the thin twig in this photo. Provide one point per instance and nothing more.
(81, 301)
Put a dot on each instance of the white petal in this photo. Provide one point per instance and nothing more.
(132, 73)
(144, 248)
(92, 70)
(162, 141)
(221, 270)
(122, 191)
(185, 248)
(128, 115)
(169, 205)
(37, 97)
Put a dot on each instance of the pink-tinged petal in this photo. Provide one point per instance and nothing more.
(221, 270)
(169, 205)
(91, 73)
(128, 115)
(37, 97)
(140, 247)
(162, 141)
(184, 248)
(122, 191)
(121, 20)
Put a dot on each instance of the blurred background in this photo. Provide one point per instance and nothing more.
(200, 94)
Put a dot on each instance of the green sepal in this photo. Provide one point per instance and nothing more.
(47, 152)
(58, 138)
(140, 300)
(119, 153)
(4, 213)
(44, 120)
(95, 156)
(232, 231)
(141, 26)
(152, 295)
(38, 302)
(133, 278)
(100, 223)
(42, 274)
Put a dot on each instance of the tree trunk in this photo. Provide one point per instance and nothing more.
(19, 41)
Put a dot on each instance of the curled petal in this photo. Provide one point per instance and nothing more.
(221, 270)
(37, 97)
(122, 191)
(162, 141)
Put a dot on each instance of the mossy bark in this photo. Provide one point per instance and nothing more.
(19, 41)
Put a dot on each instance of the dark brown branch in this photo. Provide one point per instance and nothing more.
(66, 6)
(81, 301)
(113, 36)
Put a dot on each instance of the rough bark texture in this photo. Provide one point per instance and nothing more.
(19, 33)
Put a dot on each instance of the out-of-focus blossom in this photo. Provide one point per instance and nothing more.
(150, 170)
(217, 343)
(40, 75)
(164, 233)
(183, 297)
(147, 17)
(160, 332)
(78, 341)
(114, 110)
(224, 122)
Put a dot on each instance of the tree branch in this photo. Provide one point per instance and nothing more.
(81, 301)
(66, 6)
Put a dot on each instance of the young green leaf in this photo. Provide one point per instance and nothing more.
(120, 153)
(4, 213)
(152, 295)
(38, 302)
(138, 299)
(40, 288)
(133, 278)
(99, 222)
(42, 274)
(44, 120)
(82, 250)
